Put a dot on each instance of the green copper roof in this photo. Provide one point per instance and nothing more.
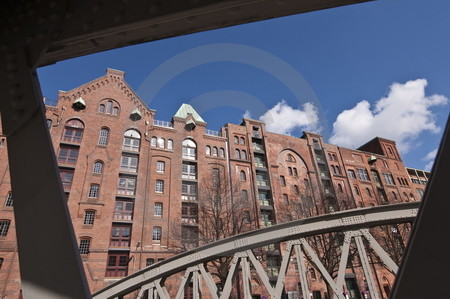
(185, 109)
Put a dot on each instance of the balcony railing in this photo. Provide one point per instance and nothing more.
(188, 220)
(127, 216)
(213, 133)
(262, 183)
(260, 164)
(162, 123)
(257, 147)
(264, 202)
(187, 197)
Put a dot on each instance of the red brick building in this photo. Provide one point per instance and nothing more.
(132, 180)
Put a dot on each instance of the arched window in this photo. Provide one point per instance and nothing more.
(49, 123)
(159, 186)
(357, 190)
(406, 196)
(306, 182)
(221, 152)
(312, 272)
(285, 198)
(295, 171)
(236, 140)
(208, 150)
(242, 140)
(157, 233)
(290, 170)
(153, 141)
(340, 189)
(189, 149)
(244, 155)
(411, 196)
(243, 176)
(73, 131)
(214, 151)
(170, 144)
(338, 170)
(109, 105)
(296, 190)
(115, 111)
(98, 167)
(368, 192)
(131, 140)
(237, 154)
(282, 180)
(101, 108)
(290, 158)
(161, 142)
(103, 136)
(85, 244)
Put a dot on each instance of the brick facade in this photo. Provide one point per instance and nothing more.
(130, 180)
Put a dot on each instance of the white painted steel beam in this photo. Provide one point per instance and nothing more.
(339, 221)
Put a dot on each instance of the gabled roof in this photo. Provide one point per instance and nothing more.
(186, 109)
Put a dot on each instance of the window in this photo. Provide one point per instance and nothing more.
(126, 186)
(73, 131)
(101, 108)
(189, 213)
(123, 210)
(312, 272)
(149, 262)
(109, 107)
(290, 170)
(394, 196)
(156, 234)
(85, 243)
(244, 155)
(120, 235)
(170, 144)
(68, 155)
(9, 200)
(1, 262)
(236, 140)
(243, 176)
(159, 186)
(388, 179)
(216, 176)
(420, 192)
(153, 142)
(98, 167)
(362, 174)
(242, 141)
(411, 196)
(282, 180)
(115, 111)
(189, 237)
(221, 152)
(405, 196)
(295, 171)
(306, 183)
(357, 190)
(244, 195)
(103, 137)
(117, 265)
(208, 150)
(189, 171)
(189, 149)
(290, 158)
(161, 142)
(160, 166)
(285, 198)
(66, 176)
(237, 154)
(4, 227)
(246, 217)
(351, 174)
(89, 216)
(340, 189)
(131, 140)
(368, 192)
(158, 210)
(129, 164)
(94, 190)
(337, 170)
(49, 123)
(296, 190)
(214, 151)
(188, 192)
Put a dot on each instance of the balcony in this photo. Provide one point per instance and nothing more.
(188, 220)
(263, 184)
(256, 134)
(162, 123)
(123, 216)
(189, 197)
(188, 176)
(260, 164)
(213, 133)
(258, 147)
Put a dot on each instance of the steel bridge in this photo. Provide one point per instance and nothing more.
(41, 32)
(354, 224)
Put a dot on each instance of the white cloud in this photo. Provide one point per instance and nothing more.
(247, 114)
(430, 156)
(283, 119)
(401, 116)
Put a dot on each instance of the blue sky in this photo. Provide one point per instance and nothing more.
(351, 73)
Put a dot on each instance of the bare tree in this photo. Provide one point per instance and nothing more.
(222, 210)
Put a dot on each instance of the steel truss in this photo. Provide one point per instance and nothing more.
(354, 224)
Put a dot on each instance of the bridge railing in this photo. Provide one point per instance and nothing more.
(354, 224)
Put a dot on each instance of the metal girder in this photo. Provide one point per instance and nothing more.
(350, 220)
